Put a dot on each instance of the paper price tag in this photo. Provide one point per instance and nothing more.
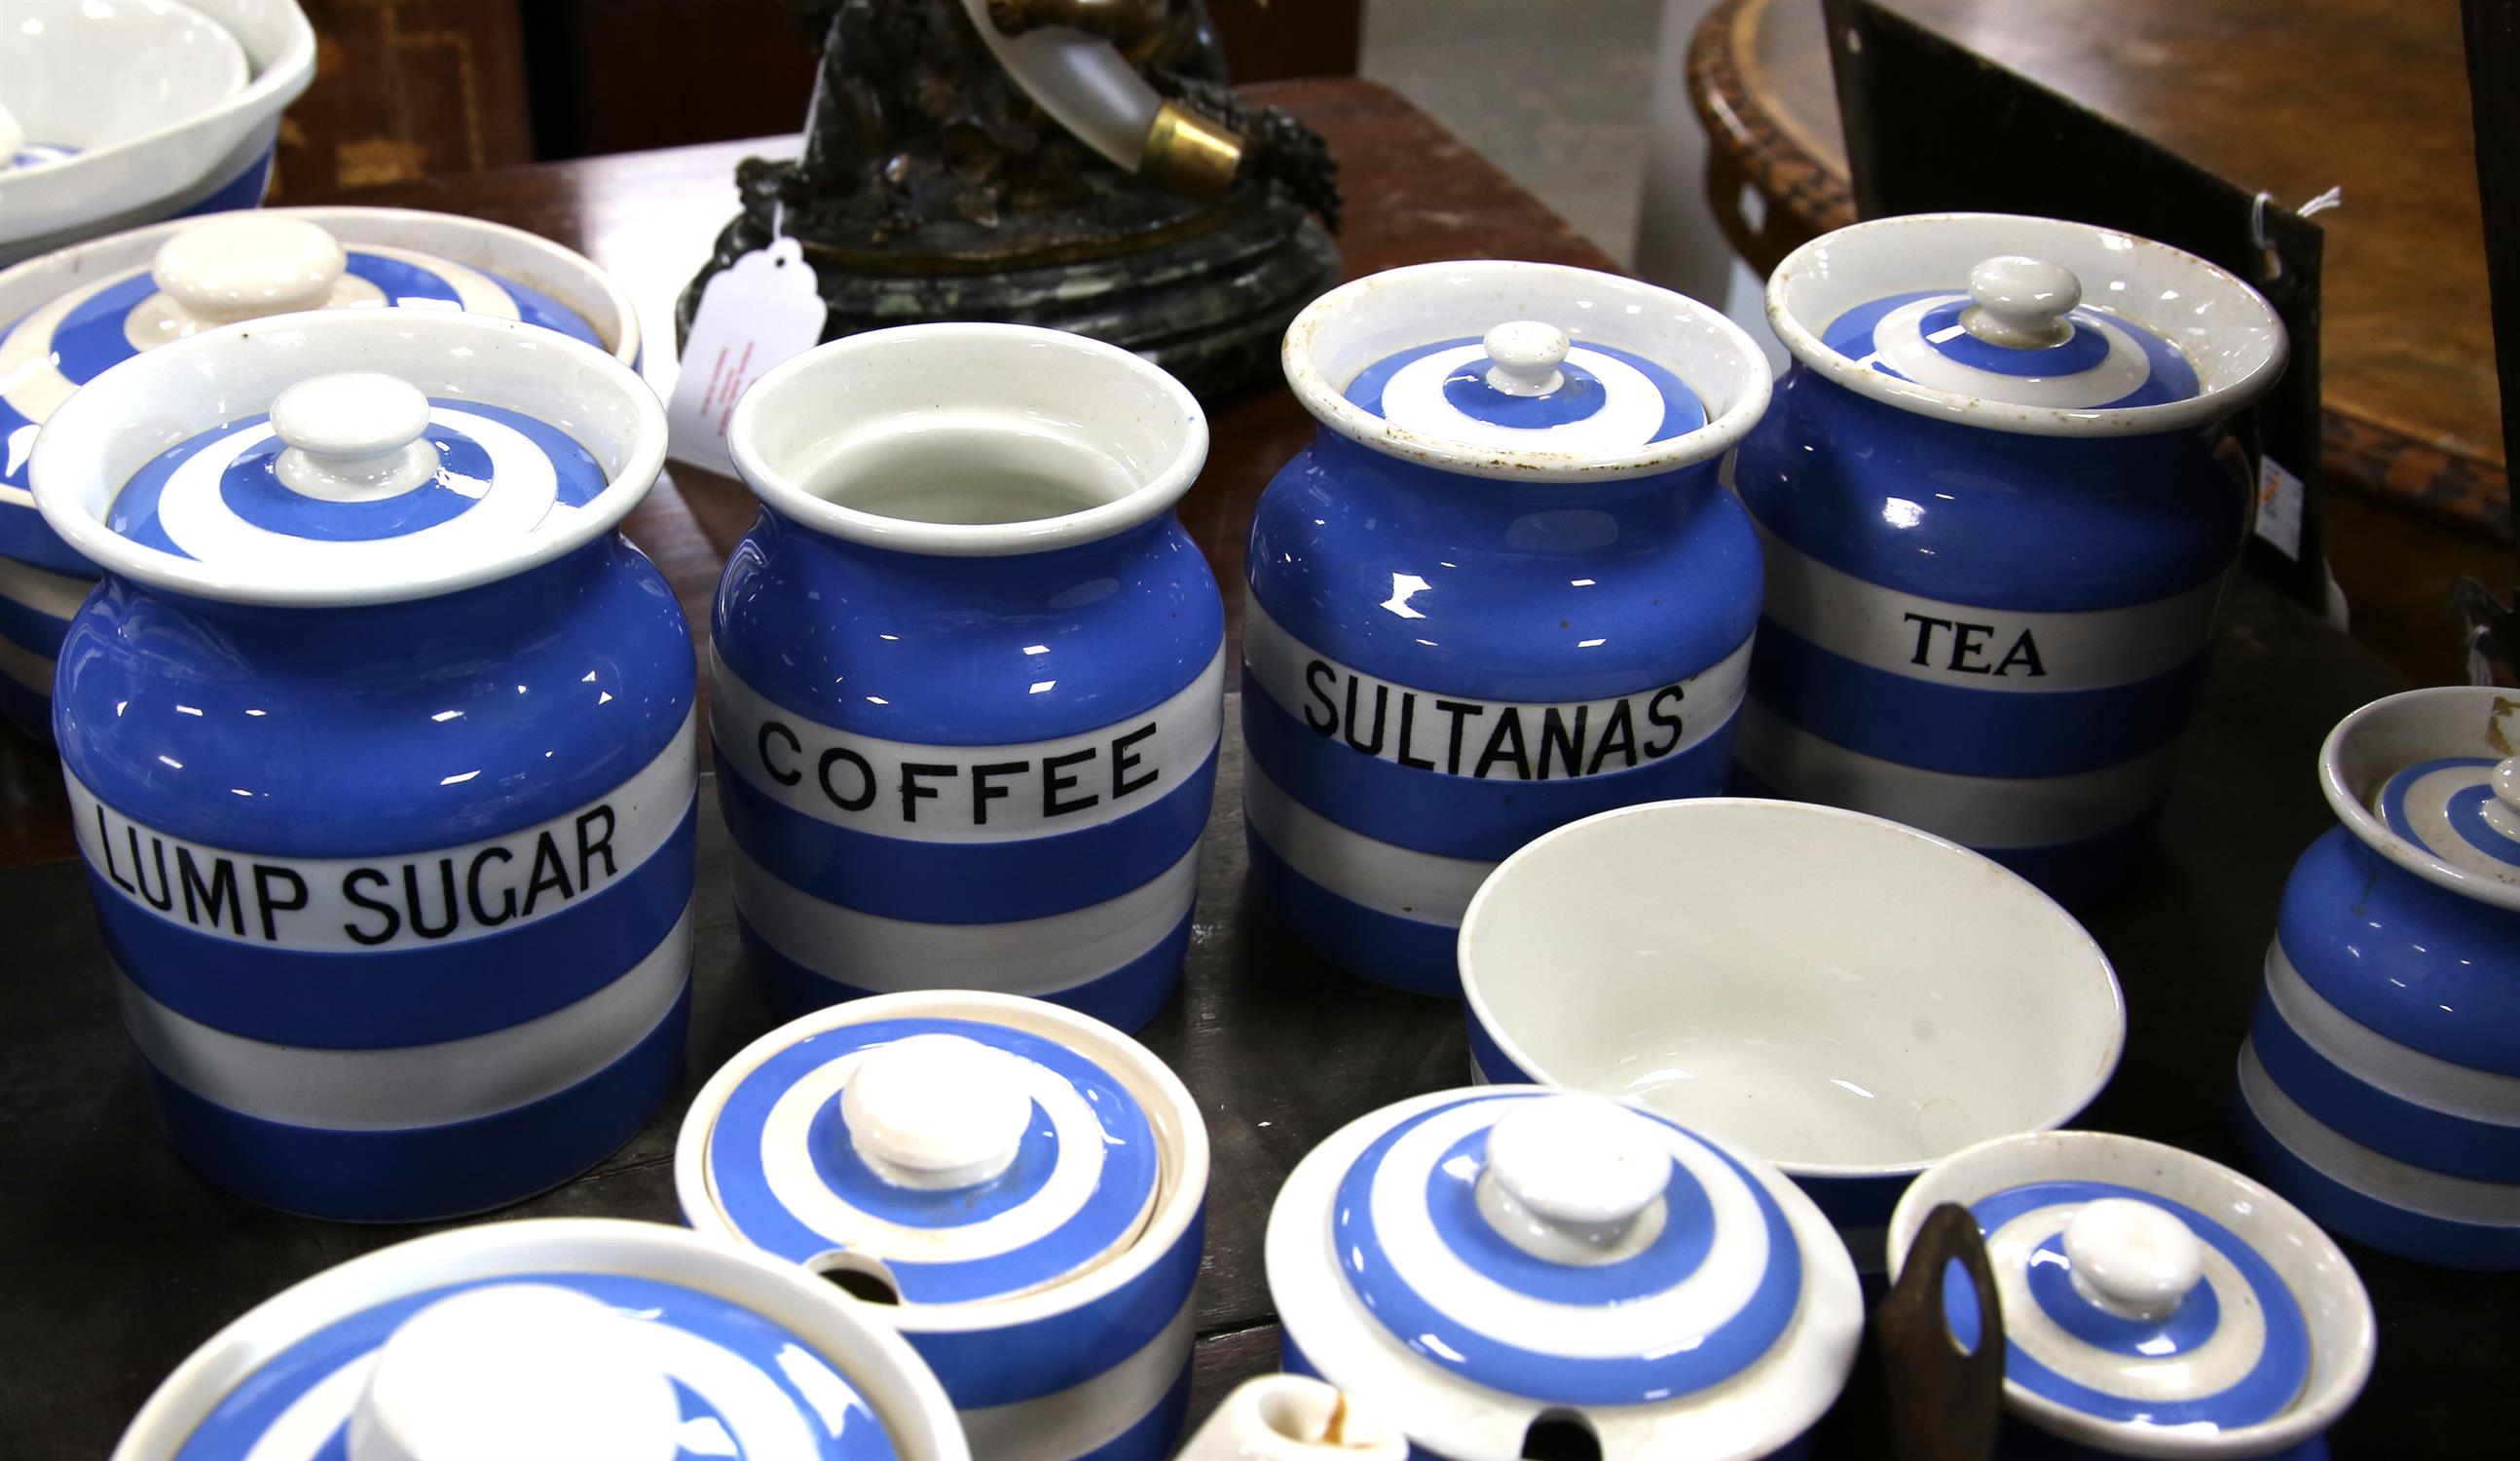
(758, 311)
(2281, 498)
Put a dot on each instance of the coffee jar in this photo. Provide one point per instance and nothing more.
(379, 743)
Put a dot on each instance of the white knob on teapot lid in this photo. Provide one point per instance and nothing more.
(353, 437)
(2020, 304)
(512, 1370)
(937, 1112)
(249, 264)
(2135, 1260)
(1524, 356)
(1569, 1177)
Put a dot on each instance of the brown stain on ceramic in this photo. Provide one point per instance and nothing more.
(2495, 736)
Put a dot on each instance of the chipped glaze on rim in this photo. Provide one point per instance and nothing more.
(2227, 329)
(1368, 319)
(2393, 733)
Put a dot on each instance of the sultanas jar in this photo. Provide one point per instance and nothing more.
(1999, 504)
(1502, 590)
(70, 315)
(968, 671)
(378, 742)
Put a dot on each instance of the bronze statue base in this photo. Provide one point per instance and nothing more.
(1207, 298)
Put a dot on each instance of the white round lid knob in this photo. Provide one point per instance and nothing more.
(937, 1112)
(2130, 1258)
(353, 437)
(516, 1370)
(2503, 811)
(2021, 302)
(1581, 1162)
(1524, 356)
(249, 264)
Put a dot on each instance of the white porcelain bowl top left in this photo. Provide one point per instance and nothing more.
(1843, 996)
(75, 78)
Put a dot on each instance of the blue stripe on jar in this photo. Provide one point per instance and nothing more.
(1126, 998)
(644, 685)
(1406, 953)
(1000, 1366)
(2464, 808)
(1579, 396)
(1151, 1437)
(1741, 1339)
(403, 281)
(1488, 1059)
(966, 883)
(1683, 412)
(2268, 1388)
(2457, 995)
(26, 536)
(91, 338)
(1676, 1253)
(2078, 352)
(2382, 1120)
(1993, 733)
(373, 999)
(247, 1413)
(2351, 1213)
(1110, 1213)
(418, 1173)
(31, 629)
(1457, 816)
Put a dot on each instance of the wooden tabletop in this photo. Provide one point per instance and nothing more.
(1415, 194)
(2289, 97)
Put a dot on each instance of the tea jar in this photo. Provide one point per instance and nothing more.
(2152, 1303)
(552, 1337)
(1999, 503)
(2379, 1087)
(75, 313)
(379, 744)
(968, 671)
(1490, 1267)
(1501, 590)
(1021, 1190)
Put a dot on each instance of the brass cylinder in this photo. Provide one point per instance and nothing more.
(1190, 154)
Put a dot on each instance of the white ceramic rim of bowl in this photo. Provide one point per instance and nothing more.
(567, 276)
(2350, 775)
(1181, 1188)
(1814, 286)
(1472, 996)
(879, 1364)
(1154, 495)
(221, 50)
(279, 44)
(136, 409)
(1419, 304)
(1782, 1392)
(2183, 1176)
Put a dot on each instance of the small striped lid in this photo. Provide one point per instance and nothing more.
(633, 1342)
(957, 1160)
(1526, 387)
(2019, 332)
(2429, 778)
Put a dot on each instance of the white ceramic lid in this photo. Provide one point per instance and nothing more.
(963, 1150)
(2154, 1303)
(565, 1340)
(2029, 324)
(348, 457)
(1476, 1261)
(2429, 778)
(1535, 372)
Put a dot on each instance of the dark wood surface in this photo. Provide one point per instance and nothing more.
(1415, 194)
(120, 1260)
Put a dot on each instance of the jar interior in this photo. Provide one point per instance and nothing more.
(970, 473)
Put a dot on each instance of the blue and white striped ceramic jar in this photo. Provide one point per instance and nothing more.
(968, 671)
(548, 1338)
(1998, 505)
(75, 313)
(1502, 590)
(379, 740)
(2152, 1303)
(1489, 1266)
(2380, 1084)
(1022, 1188)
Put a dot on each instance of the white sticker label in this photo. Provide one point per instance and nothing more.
(758, 311)
(2281, 498)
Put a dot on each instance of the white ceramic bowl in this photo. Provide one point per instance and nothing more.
(1848, 997)
(77, 77)
(184, 154)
